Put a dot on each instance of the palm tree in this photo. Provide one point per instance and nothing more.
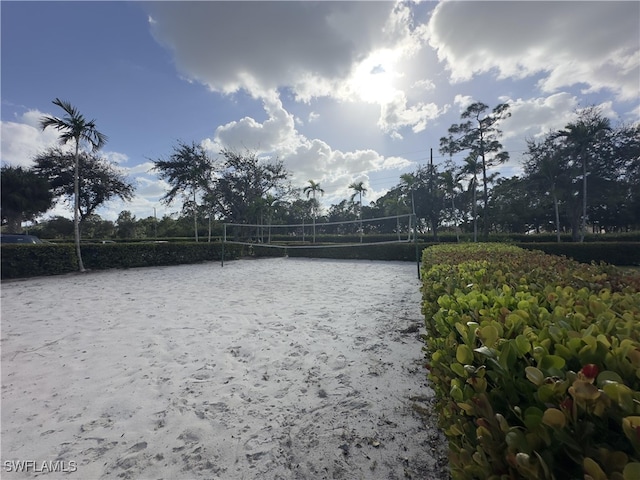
(75, 127)
(359, 189)
(312, 188)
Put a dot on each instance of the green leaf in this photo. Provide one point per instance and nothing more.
(534, 375)
(533, 417)
(459, 370)
(523, 345)
(489, 335)
(631, 471)
(554, 418)
(548, 362)
(593, 469)
(608, 376)
(464, 354)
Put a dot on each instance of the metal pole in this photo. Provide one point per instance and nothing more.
(224, 239)
(415, 242)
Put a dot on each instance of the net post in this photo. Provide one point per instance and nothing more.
(224, 239)
(415, 242)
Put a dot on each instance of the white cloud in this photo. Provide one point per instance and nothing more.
(535, 117)
(395, 114)
(260, 46)
(23, 139)
(567, 43)
(347, 51)
(463, 101)
(304, 158)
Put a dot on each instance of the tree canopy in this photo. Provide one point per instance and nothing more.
(100, 181)
(24, 196)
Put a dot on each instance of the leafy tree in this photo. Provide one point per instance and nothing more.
(100, 180)
(555, 167)
(74, 127)
(243, 184)
(94, 226)
(479, 135)
(548, 173)
(341, 212)
(24, 196)
(451, 183)
(56, 228)
(430, 197)
(582, 135)
(126, 225)
(189, 171)
(625, 143)
(312, 188)
(513, 207)
(472, 167)
(408, 182)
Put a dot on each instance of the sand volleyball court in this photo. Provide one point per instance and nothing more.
(262, 369)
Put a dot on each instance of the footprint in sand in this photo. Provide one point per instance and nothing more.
(339, 362)
(91, 454)
(101, 422)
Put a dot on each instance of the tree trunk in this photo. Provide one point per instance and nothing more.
(475, 212)
(485, 214)
(195, 214)
(557, 212)
(360, 215)
(76, 206)
(314, 213)
(583, 228)
(455, 220)
(14, 223)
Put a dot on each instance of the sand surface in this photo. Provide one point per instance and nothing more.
(262, 369)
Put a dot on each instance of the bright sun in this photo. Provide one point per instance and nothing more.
(373, 79)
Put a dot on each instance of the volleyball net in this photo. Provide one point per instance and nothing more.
(349, 233)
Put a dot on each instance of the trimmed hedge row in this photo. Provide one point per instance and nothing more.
(53, 259)
(535, 360)
(615, 253)
(447, 237)
(622, 253)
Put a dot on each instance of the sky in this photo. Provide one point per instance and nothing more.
(341, 91)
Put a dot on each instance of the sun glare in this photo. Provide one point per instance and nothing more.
(373, 79)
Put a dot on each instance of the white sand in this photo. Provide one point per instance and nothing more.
(275, 368)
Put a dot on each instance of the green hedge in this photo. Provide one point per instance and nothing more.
(36, 260)
(51, 259)
(448, 237)
(390, 251)
(615, 253)
(54, 259)
(535, 360)
(621, 253)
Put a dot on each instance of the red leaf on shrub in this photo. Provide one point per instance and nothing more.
(567, 404)
(590, 371)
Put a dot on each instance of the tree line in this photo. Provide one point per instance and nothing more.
(584, 176)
